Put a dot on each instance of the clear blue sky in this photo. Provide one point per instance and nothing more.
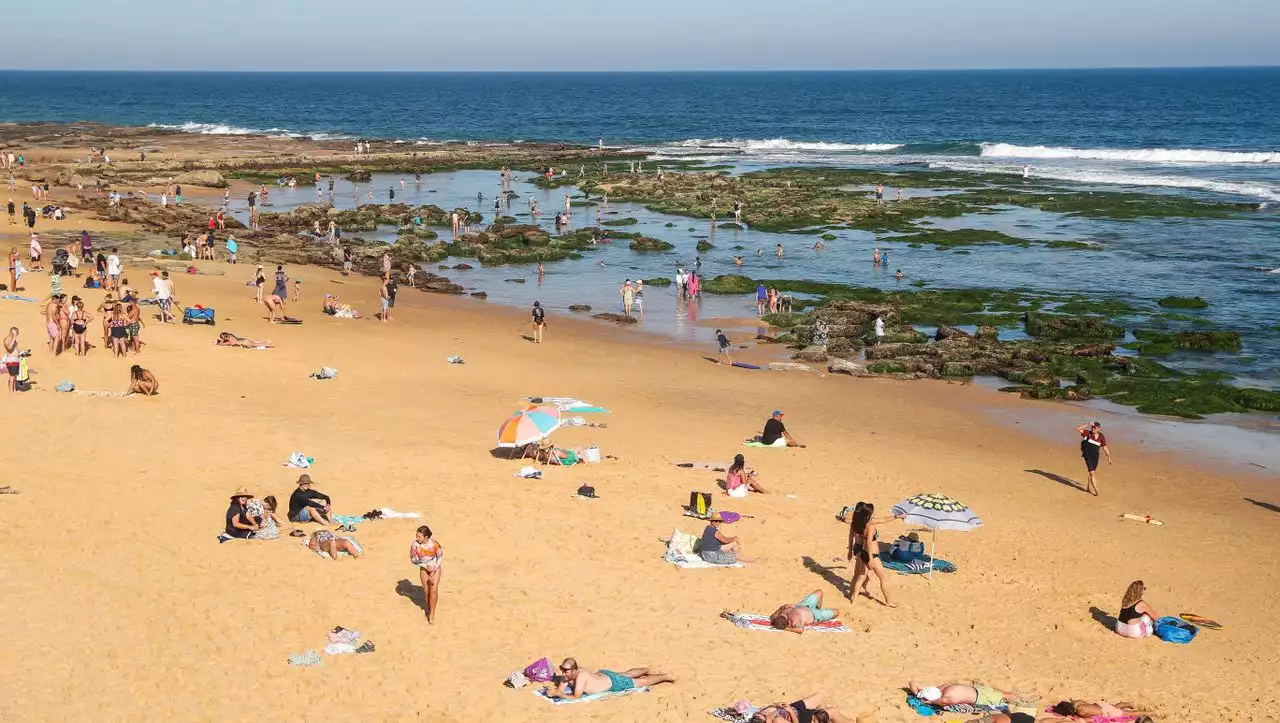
(636, 34)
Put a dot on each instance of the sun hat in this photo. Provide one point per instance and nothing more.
(716, 517)
(241, 491)
(304, 479)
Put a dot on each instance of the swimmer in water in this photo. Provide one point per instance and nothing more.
(819, 246)
(779, 251)
(898, 275)
(875, 257)
(738, 260)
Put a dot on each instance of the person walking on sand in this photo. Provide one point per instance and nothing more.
(723, 342)
(539, 322)
(13, 212)
(161, 287)
(281, 289)
(427, 554)
(863, 545)
(577, 682)
(1092, 444)
(113, 270)
(12, 360)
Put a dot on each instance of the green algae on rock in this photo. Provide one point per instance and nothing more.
(1183, 302)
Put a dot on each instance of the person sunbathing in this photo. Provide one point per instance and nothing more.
(960, 694)
(226, 338)
(333, 307)
(1010, 718)
(142, 382)
(739, 480)
(811, 708)
(556, 455)
(1086, 710)
(576, 682)
(326, 541)
(793, 618)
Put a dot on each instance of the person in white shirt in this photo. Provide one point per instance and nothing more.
(113, 269)
(162, 291)
(879, 328)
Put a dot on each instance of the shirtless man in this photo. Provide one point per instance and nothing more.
(64, 322)
(274, 304)
(793, 618)
(576, 682)
(51, 312)
(960, 694)
(133, 329)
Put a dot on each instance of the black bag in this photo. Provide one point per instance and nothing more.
(700, 503)
(587, 491)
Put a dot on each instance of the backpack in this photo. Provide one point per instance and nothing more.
(700, 503)
(539, 671)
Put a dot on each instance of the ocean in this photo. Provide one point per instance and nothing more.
(1204, 133)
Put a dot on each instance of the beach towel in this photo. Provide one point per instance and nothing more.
(589, 698)
(306, 659)
(927, 709)
(916, 567)
(390, 514)
(694, 562)
(1096, 718)
(739, 712)
(751, 621)
(15, 297)
(348, 520)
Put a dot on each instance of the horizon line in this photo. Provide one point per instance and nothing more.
(652, 72)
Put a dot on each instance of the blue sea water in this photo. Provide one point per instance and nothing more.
(1205, 133)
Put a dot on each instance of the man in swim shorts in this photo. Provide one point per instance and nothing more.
(576, 682)
(793, 618)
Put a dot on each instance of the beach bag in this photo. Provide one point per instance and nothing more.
(539, 671)
(700, 503)
(1173, 630)
(681, 545)
(592, 454)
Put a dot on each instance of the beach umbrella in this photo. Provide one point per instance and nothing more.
(528, 426)
(937, 512)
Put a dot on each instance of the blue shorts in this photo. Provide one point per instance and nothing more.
(304, 515)
(819, 614)
(617, 681)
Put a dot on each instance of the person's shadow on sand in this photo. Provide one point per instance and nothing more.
(1059, 479)
(1263, 505)
(1103, 618)
(828, 574)
(415, 593)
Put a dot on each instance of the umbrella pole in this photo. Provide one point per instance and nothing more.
(933, 551)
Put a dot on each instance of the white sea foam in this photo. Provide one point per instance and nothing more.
(783, 144)
(222, 129)
(1103, 176)
(1140, 155)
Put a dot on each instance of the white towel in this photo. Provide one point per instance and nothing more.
(390, 514)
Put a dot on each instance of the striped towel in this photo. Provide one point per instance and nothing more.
(916, 567)
(589, 698)
(751, 621)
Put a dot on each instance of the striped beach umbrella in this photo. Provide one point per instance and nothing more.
(937, 512)
(528, 426)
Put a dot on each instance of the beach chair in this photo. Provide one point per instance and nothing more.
(198, 315)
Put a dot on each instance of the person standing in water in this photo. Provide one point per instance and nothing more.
(1092, 444)
(628, 294)
(779, 251)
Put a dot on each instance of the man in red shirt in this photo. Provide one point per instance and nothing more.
(1092, 444)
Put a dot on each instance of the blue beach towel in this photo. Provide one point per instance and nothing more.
(347, 520)
(588, 698)
(916, 567)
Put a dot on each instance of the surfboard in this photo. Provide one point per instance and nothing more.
(1142, 518)
(744, 365)
(1201, 622)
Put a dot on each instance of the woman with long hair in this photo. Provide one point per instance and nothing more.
(863, 535)
(1136, 618)
(740, 480)
(427, 554)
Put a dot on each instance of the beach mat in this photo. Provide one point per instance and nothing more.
(759, 445)
(695, 563)
(733, 716)
(589, 698)
(964, 709)
(751, 621)
(916, 567)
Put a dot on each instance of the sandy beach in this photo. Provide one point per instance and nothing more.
(128, 608)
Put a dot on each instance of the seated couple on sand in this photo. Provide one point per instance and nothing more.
(566, 457)
(775, 433)
(333, 307)
(576, 682)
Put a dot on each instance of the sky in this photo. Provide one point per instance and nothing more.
(518, 35)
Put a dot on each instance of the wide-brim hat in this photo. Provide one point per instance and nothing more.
(304, 479)
(241, 491)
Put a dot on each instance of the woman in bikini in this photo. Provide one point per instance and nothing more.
(427, 554)
(809, 709)
(226, 338)
(79, 325)
(862, 544)
(327, 542)
(117, 334)
(259, 279)
(1078, 709)
(13, 270)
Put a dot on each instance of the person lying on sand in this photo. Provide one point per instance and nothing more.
(811, 708)
(333, 307)
(308, 505)
(1085, 709)
(226, 338)
(1010, 718)
(142, 382)
(326, 541)
(555, 455)
(576, 682)
(960, 694)
(739, 480)
(793, 618)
